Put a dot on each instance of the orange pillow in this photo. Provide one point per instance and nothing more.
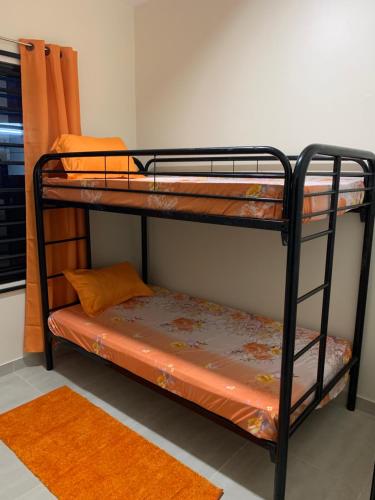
(98, 289)
(69, 143)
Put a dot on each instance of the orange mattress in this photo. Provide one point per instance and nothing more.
(238, 187)
(223, 359)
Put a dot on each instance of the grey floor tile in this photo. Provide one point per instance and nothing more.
(15, 391)
(29, 359)
(366, 490)
(185, 435)
(44, 381)
(75, 370)
(339, 441)
(15, 478)
(6, 369)
(246, 477)
(38, 493)
(193, 440)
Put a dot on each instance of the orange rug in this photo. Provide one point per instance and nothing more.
(80, 452)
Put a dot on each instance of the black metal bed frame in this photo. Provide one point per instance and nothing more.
(290, 227)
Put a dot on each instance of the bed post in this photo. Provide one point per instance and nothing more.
(287, 362)
(39, 215)
(362, 290)
(88, 238)
(144, 237)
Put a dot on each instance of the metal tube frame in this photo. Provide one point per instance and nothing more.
(290, 228)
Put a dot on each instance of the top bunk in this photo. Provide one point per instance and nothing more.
(255, 186)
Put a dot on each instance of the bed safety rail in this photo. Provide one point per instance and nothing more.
(153, 164)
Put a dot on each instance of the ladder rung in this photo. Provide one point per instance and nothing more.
(310, 215)
(341, 191)
(312, 292)
(57, 275)
(343, 174)
(303, 397)
(66, 240)
(316, 235)
(307, 347)
(75, 303)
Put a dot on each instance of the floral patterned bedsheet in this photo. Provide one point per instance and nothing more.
(166, 186)
(225, 360)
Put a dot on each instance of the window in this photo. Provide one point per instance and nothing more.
(12, 182)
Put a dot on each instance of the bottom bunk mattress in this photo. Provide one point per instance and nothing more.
(223, 359)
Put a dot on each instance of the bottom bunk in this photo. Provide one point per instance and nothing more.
(225, 360)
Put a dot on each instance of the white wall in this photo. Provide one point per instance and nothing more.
(234, 72)
(103, 34)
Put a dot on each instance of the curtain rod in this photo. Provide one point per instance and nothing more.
(16, 41)
(29, 46)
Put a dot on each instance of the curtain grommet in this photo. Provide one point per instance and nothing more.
(30, 46)
(48, 51)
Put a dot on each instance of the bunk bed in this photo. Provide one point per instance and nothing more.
(259, 377)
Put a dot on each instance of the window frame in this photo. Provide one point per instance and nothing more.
(9, 62)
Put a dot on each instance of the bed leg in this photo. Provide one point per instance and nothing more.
(280, 476)
(48, 351)
(361, 306)
(353, 385)
(144, 237)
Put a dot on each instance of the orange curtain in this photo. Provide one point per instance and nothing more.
(50, 102)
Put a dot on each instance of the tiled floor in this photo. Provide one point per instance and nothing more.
(331, 455)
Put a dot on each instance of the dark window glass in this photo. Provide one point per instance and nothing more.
(12, 181)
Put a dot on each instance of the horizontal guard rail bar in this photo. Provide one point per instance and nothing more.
(280, 225)
(168, 193)
(240, 150)
(125, 174)
(251, 158)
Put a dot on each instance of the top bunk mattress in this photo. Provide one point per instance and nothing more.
(164, 193)
(225, 360)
